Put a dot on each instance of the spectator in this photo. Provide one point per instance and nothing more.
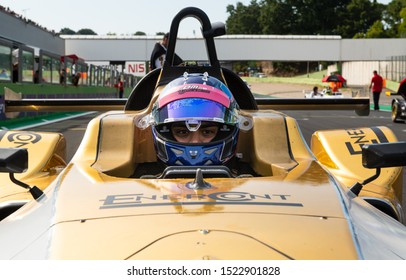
(315, 92)
(62, 76)
(376, 85)
(76, 78)
(158, 54)
(3, 74)
(15, 73)
(36, 77)
(120, 86)
(335, 87)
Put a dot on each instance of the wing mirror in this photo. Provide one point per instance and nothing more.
(384, 155)
(379, 156)
(217, 29)
(14, 160)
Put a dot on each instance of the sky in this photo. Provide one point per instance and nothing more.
(122, 17)
(118, 16)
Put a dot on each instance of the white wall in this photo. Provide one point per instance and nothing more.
(241, 47)
(360, 72)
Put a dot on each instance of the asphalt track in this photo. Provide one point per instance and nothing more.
(311, 121)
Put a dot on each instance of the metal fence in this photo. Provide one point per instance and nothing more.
(359, 73)
(20, 64)
(397, 69)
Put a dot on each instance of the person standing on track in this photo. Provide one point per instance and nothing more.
(376, 85)
(120, 86)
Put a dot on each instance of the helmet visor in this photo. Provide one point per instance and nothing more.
(194, 109)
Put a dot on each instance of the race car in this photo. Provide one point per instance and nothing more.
(399, 104)
(338, 199)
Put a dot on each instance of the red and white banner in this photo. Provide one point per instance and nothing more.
(135, 68)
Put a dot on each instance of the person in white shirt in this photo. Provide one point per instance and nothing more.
(316, 93)
(159, 53)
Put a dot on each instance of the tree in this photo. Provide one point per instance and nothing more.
(376, 30)
(316, 17)
(243, 19)
(359, 16)
(86, 31)
(347, 18)
(276, 17)
(67, 31)
(402, 25)
(139, 33)
(283, 17)
(392, 17)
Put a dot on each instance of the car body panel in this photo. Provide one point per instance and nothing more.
(47, 153)
(268, 209)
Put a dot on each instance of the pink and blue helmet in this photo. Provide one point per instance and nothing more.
(193, 99)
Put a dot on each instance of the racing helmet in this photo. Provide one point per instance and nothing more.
(195, 100)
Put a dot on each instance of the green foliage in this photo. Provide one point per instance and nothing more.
(289, 69)
(376, 31)
(359, 16)
(392, 16)
(246, 66)
(301, 17)
(347, 18)
(86, 31)
(277, 18)
(67, 31)
(243, 19)
(83, 31)
(139, 33)
(286, 69)
(402, 25)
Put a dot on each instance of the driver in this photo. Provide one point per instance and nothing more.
(196, 122)
(205, 134)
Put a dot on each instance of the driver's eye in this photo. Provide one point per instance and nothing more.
(180, 131)
(210, 131)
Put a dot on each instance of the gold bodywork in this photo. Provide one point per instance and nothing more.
(340, 152)
(47, 155)
(102, 213)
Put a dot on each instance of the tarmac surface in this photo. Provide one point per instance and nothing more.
(281, 90)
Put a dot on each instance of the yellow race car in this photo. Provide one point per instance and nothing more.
(130, 192)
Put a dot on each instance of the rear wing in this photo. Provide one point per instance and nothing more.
(359, 105)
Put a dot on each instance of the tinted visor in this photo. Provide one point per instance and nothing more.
(194, 109)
